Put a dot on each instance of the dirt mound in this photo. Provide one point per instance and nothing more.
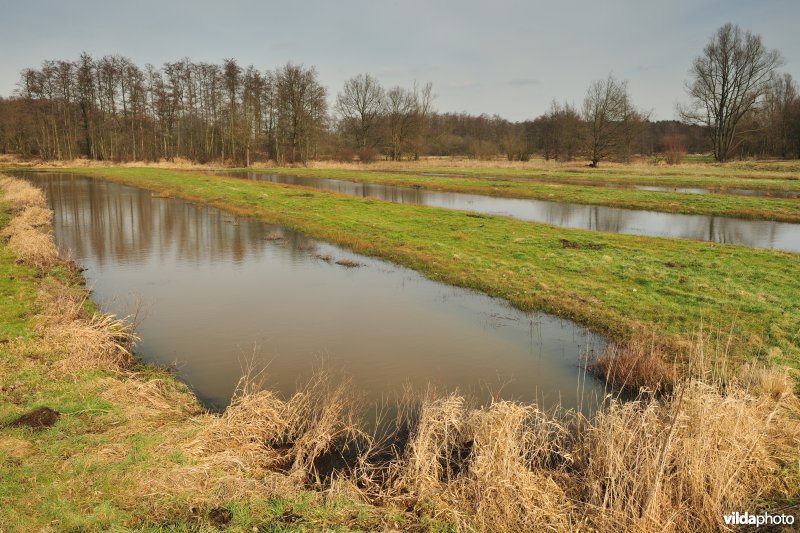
(42, 417)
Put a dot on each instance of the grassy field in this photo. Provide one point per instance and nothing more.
(566, 187)
(92, 440)
(619, 285)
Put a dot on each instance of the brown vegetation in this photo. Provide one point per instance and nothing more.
(633, 367)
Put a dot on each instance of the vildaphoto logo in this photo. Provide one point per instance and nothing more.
(758, 520)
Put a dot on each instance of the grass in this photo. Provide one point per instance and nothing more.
(577, 188)
(618, 285)
(678, 460)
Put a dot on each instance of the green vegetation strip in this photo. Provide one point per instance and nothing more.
(17, 290)
(618, 285)
(713, 177)
(569, 190)
(779, 176)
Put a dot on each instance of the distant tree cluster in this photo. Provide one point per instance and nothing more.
(111, 109)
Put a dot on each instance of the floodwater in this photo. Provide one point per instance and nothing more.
(765, 193)
(752, 233)
(211, 287)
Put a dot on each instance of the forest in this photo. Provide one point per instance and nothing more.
(110, 109)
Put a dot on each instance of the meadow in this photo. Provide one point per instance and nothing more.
(703, 338)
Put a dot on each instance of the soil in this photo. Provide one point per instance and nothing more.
(42, 417)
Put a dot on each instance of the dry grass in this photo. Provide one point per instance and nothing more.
(82, 340)
(20, 194)
(680, 464)
(29, 233)
(349, 263)
(634, 366)
(678, 461)
(260, 431)
(34, 248)
(30, 217)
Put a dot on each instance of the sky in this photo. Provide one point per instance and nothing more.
(510, 58)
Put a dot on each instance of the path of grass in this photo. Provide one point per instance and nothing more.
(565, 187)
(618, 285)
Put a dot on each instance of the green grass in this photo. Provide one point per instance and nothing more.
(775, 175)
(566, 187)
(17, 290)
(618, 286)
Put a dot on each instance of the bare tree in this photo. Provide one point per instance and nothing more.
(301, 111)
(610, 118)
(779, 103)
(561, 132)
(727, 81)
(401, 106)
(359, 107)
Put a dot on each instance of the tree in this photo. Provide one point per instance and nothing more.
(727, 81)
(560, 132)
(610, 118)
(359, 107)
(779, 103)
(301, 112)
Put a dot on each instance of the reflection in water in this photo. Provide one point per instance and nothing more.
(213, 286)
(753, 233)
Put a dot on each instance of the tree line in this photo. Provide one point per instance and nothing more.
(110, 109)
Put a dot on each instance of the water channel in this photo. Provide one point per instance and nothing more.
(752, 233)
(210, 288)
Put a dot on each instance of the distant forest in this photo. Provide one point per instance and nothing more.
(110, 109)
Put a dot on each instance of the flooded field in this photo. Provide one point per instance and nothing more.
(209, 288)
(752, 233)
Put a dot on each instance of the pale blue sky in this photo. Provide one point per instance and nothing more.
(509, 57)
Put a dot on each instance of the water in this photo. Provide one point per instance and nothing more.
(212, 286)
(752, 233)
(765, 193)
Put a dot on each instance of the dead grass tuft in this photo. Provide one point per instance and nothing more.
(260, 431)
(772, 382)
(30, 218)
(634, 366)
(349, 263)
(20, 194)
(83, 340)
(29, 232)
(34, 248)
(681, 463)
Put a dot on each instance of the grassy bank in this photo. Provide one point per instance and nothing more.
(778, 175)
(619, 285)
(577, 188)
(92, 440)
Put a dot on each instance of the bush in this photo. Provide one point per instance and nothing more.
(674, 148)
(367, 155)
(344, 154)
